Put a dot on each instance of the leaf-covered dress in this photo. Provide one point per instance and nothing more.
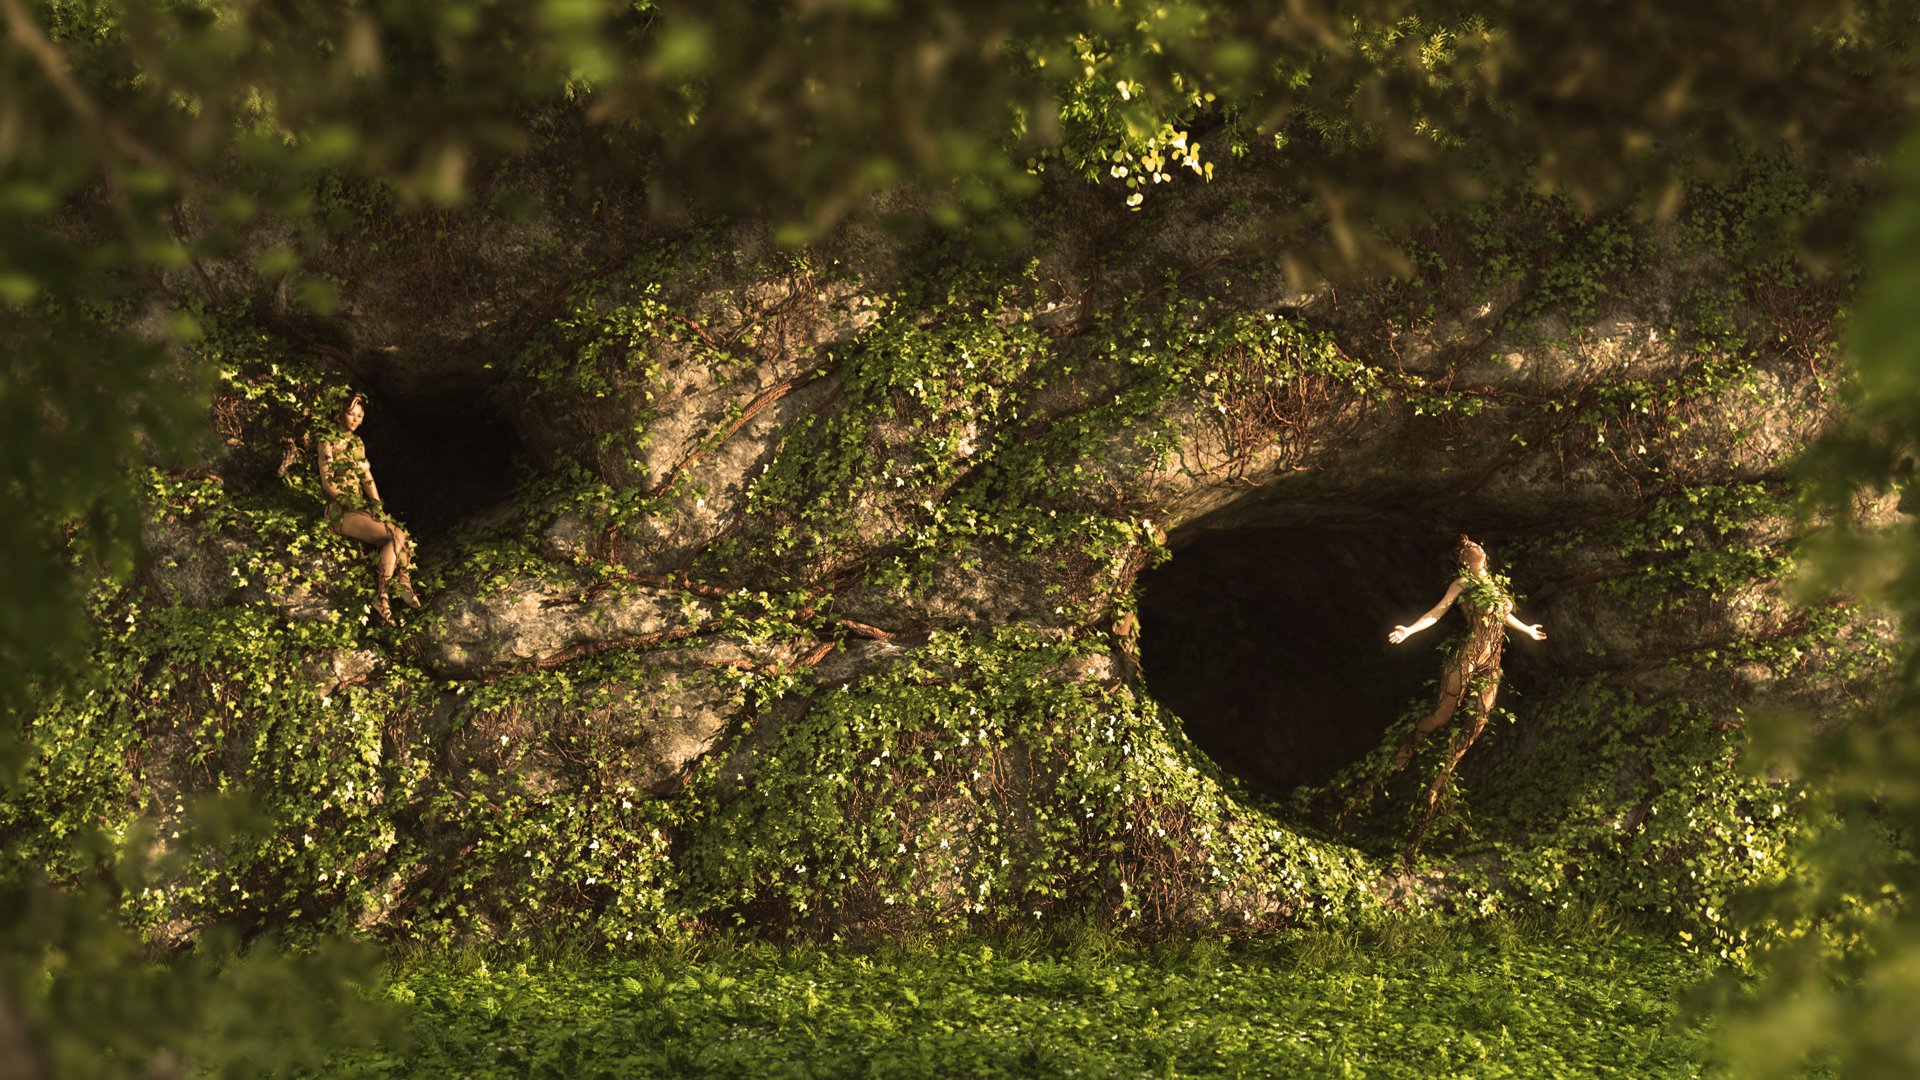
(1486, 601)
(344, 467)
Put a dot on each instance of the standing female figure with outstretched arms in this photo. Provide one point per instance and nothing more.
(1473, 669)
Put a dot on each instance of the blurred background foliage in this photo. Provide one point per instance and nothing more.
(138, 138)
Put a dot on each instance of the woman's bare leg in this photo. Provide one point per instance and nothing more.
(403, 556)
(367, 529)
(1462, 742)
(1452, 689)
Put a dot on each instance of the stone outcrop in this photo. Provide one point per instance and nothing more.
(1346, 445)
(526, 625)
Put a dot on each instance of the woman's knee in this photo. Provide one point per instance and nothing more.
(357, 526)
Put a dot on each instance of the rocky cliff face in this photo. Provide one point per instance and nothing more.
(876, 586)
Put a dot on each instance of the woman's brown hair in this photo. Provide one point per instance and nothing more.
(1464, 546)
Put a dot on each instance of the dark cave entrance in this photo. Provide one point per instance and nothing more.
(441, 452)
(1271, 644)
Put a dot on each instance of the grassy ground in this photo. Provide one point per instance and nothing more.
(1399, 1000)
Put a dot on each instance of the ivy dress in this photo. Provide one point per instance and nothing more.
(345, 467)
(1486, 601)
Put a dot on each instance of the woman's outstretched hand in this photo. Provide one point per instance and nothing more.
(1533, 631)
(1399, 635)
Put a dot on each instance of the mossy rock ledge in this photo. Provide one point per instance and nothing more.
(874, 587)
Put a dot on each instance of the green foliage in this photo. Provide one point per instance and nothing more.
(152, 146)
(546, 834)
(1393, 999)
(1734, 544)
(554, 838)
(596, 369)
(974, 784)
(319, 772)
(1547, 252)
(1644, 804)
(92, 1002)
(927, 404)
(997, 432)
(955, 403)
(1835, 999)
(1635, 806)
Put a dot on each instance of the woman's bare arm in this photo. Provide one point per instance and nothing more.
(1402, 633)
(366, 477)
(326, 469)
(1532, 630)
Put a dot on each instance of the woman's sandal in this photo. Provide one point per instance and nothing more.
(383, 611)
(407, 595)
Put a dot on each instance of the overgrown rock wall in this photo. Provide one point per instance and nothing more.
(811, 601)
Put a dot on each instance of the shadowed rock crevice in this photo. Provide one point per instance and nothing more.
(1271, 644)
(442, 452)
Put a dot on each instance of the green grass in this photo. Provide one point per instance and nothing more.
(1399, 1000)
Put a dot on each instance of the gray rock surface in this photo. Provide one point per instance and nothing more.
(527, 624)
(1468, 419)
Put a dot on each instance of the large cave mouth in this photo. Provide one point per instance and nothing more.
(1271, 644)
(441, 452)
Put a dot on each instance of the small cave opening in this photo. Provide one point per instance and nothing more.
(1271, 644)
(441, 452)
